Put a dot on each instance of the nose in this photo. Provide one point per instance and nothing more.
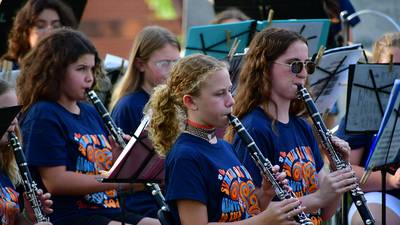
(230, 101)
(89, 76)
(303, 73)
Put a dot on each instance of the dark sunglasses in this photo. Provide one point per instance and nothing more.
(297, 66)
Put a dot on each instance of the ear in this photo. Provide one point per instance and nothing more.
(139, 63)
(189, 103)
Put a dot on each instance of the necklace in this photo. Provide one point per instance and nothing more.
(204, 132)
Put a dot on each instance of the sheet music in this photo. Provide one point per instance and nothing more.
(10, 76)
(329, 80)
(370, 89)
(217, 39)
(386, 147)
(314, 30)
(112, 62)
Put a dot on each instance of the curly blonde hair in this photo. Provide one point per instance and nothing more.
(166, 103)
(381, 46)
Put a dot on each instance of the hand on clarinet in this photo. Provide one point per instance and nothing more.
(283, 212)
(268, 190)
(342, 147)
(115, 148)
(336, 183)
(44, 200)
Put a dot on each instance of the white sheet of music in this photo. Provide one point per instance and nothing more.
(387, 145)
(365, 110)
(329, 80)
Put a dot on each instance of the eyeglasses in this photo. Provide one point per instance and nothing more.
(297, 66)
(166, 64)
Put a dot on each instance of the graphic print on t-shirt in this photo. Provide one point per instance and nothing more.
(95, 155)
(301, 173)
(8, 205)
(239, 199)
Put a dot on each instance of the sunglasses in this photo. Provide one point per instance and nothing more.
(297, 66)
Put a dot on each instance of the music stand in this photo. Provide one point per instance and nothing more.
(7, 115)
(315, 31)
(330, 76)
(368, 93)
(216, 39)
(385, 150)
(139, 163)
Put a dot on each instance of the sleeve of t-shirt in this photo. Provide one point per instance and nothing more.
(125, 117)
(44, 143)
(186, 180)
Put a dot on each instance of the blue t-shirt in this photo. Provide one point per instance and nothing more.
(361, 141)
(54, 136)
(210, 174)
(292, 146)
(127, 114)
(8, 200)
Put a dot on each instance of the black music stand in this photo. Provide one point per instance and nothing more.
(139, 163)
(217, 39)
(368, 93)
(284, 9)
(7, 115)
(327, 82)
(385, 150)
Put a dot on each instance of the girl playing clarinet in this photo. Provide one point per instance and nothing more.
(205, 183)
(9, 174)
(65, 139)
(277, 61)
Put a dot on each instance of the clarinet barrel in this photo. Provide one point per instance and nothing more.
(30, 187)
(356, 194)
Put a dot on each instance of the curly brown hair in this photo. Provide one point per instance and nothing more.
(44, 68)
(254, 87)
(18, 41)
(166, 103)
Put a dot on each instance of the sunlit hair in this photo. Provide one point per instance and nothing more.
(18, 41)
(382, 45)
(150, 39)
(254, 87)
(44, 68)
(7, 159)
(166, 103)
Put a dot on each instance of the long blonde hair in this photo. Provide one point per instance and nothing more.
(166, 103)
(150, 39)
(7, 159)
(388, 40)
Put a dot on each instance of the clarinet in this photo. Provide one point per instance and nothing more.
(116, 134)
(357, 194)
(266, 167)
(29, 185)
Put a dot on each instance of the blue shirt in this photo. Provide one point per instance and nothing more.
(210, 174)
(292, 146)
(54, 136)
(128, 111)
(8, 200)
